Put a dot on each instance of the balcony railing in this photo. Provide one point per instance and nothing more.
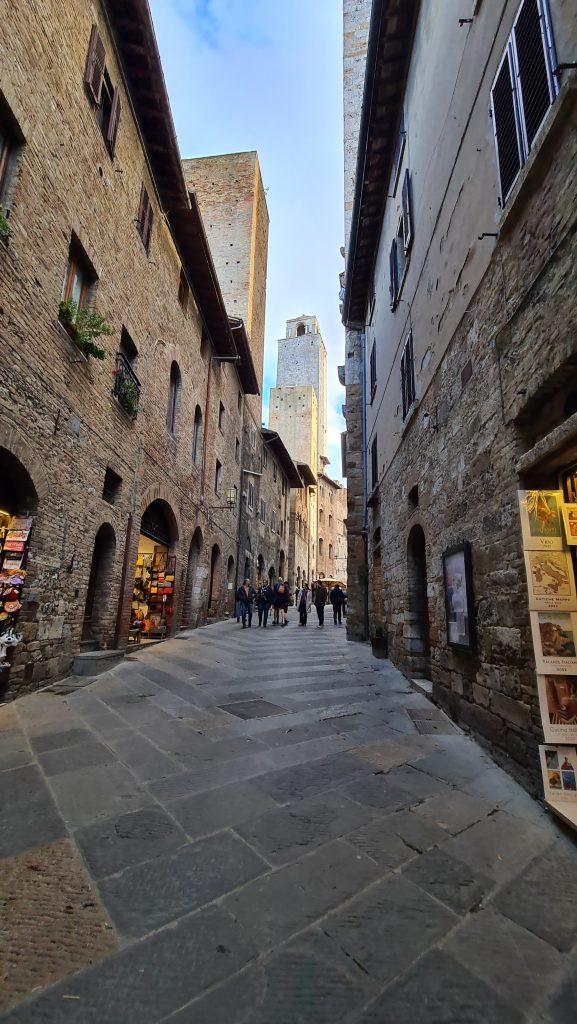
(126, 388)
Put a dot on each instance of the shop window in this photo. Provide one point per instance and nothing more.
(173, 398)
(101, 90)
(524, 89)
(144, 219)
(218, 477)
(250, 495)
(408, 388)
(221, 417)
(112, 486)
(196, 434)
(183, 291)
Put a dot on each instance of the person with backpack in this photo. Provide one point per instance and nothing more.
(337, 599)
(281, 601)
(264, 599)
(321, 594)
(303, 603)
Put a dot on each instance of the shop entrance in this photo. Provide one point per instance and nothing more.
(95, 627)
(417, 628)
(18, 505)
(153, 595)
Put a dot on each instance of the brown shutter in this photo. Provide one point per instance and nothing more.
(94, 73)
(113, 123)
(407, 214)
(147, 232)
(393, 283)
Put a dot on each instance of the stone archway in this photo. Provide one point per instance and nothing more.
(192, 599)
(214, 588)
(417, 624)
(99, 612)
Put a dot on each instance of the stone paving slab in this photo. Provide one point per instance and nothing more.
(327, 864)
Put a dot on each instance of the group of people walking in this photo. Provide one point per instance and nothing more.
(276, 597)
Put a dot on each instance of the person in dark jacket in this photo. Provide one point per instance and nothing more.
(264, 599)
(245, 596)
(303, 603)
(281, 601)
(320, 599)
(337, 599)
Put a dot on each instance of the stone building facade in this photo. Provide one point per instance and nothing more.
(108, 465)
(356, 22)
(463, 279)
(332, 515)
(302, 359)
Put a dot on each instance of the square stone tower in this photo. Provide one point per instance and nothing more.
(232, 202)
(302, 360)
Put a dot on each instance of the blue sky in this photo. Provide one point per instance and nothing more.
(266, 75)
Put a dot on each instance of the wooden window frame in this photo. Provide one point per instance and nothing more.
(145, 219)
(373, 370)
(407, 203)
(408, 381)
(97, 82)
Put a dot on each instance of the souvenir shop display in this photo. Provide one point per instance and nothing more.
(153, 594)
(14, 541)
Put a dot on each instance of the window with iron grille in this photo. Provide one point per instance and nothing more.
(408, 376)
(374, 463)
(523, 90)
(373, 365)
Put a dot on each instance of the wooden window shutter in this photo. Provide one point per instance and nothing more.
(533, 73)
(141, 208)
(404, 383)
(407, 213)
(113, 123)
(393, 270)
(505, 127)
(94, 73)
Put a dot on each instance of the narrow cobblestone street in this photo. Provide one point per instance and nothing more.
(271, 827)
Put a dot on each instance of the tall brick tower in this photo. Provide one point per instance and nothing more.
(302, 362)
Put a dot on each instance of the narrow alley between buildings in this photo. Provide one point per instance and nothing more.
(271, 828)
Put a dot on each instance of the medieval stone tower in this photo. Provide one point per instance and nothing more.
(302, 361)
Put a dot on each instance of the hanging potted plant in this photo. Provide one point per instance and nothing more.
(379, 642)
(83, 325)
(5, 230)
(127, 395)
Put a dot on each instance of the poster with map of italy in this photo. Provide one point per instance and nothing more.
(550, 581)
(541, 520)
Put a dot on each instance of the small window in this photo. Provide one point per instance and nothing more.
(283, 485)
(127, 348)
(196, 435)
(300, 330)
(264, 456)
(262, 510)
(101, 90)
(144, 219)
(408, 376)
(321, 544)
(112, 486)
(235, 493)
(11, 140)
(330, 551)
(274, 471)
(250, 495)
(398, 155)
(273, 521)
(239, 401)
(204, 344)
(373, 365)
(407, 214)
(523, 90)
(253, 436)
(321, 515)
(413, 498)
(221, 417)
(79, 277)
(330, 521)
(374, 464)
(183, 291)
(237, 451)
(173, 398)
(218, 477)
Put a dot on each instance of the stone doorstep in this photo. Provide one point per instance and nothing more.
(92, 663)
(423, 686)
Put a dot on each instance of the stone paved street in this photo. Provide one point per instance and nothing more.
(271, 828)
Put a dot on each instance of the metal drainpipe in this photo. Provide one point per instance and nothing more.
(365, 527)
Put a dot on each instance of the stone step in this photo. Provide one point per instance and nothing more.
(424, 686)
(92, 663)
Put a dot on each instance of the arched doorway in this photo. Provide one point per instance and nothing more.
(417, 626)
(281, 565)
(259, 568)
(230, 596)
(214, 589)
(98, 612)
(18, 506)
(155, 574)
(192, 593)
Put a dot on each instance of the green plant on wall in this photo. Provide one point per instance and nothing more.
(127, 395)
(84, 325)
(5, 231)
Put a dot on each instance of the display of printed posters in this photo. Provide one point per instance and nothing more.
(459, 596)
(558, 766)
(569, 513)
(555, 642)
(558, 703)
(550, 580)
(541, 520)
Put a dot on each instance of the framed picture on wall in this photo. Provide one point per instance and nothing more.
(550, 580)
(569, 513)
(558, 703)
(459, 607)
(541, 520)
